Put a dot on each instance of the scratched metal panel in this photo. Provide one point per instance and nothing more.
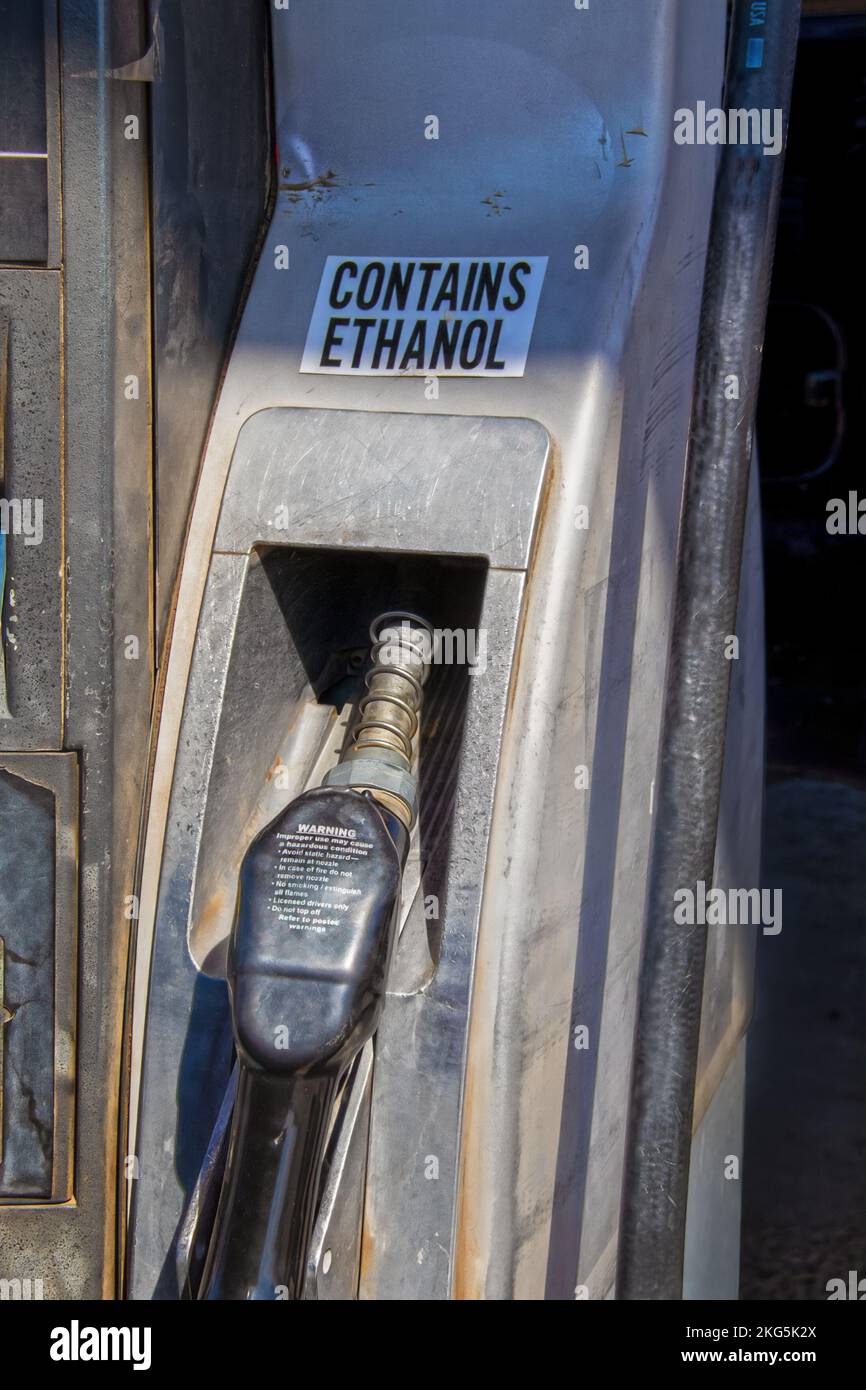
(32, 626)
(324, 467)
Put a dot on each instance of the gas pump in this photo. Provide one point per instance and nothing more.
(461, 386)
(349, 355)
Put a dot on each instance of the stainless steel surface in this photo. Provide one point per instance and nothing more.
(429, 482)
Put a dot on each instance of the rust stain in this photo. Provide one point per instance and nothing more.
(625, 162)
(495, 204)
(467, 1253)
(713, 1073)
(367, 1257)
(551, 473)
(213, 910)
(327, 180)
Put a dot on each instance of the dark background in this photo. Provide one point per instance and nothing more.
(804, 1171)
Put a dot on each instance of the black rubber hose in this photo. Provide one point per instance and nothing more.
(762, 51)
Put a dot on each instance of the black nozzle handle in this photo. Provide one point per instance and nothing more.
(315, 926)
(264, 1220)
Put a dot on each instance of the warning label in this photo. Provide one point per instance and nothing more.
(399, 316)
(313, 883)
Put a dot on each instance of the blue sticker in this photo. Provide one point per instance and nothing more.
(755, 53)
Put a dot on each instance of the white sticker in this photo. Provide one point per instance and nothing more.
(402, 316)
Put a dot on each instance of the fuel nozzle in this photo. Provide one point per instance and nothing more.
(318, 902)
(380, 759)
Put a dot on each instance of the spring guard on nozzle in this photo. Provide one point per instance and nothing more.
(318, 902)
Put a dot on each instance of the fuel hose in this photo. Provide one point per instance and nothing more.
(762, 49)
